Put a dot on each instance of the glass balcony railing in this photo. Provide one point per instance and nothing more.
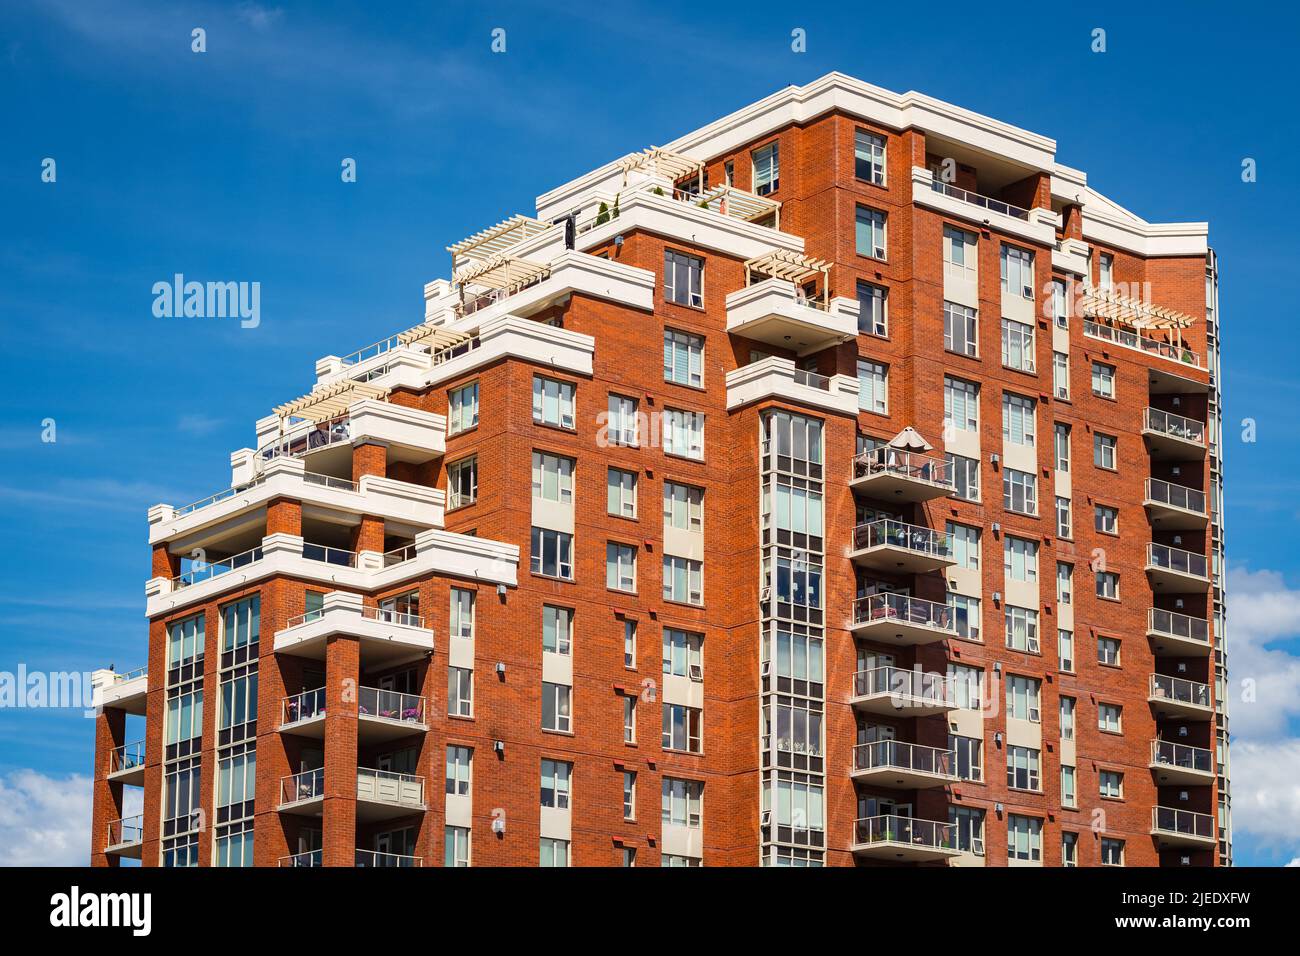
(898, 534)
(373, 858)
(1173, 559)
(308, 785)
(306, 858)
(1179, 691)
(1140, 343)
(1178, 625)
(901, 608)
(200, 571)
(1184, 757)
(126, 830)
(319, 552)
(906, 686)
(1175, 496)
(304, 706)
(1175, 426)
(903, 464)
(984, 202)
(892, 828)
(126, 757)
(1183, 822)
(899, 755)
(303, 441)
(390, 705)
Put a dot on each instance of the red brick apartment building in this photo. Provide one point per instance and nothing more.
(909, 552)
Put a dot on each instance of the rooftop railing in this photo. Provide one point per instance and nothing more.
(302, 441)
(984, 202)
(812, 380)
(219, 496)
(130, 675)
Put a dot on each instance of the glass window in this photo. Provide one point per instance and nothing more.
(552, 554)
(959, 254)
(1022, 629)
(965, 544)
(1067, 718)
(1105, 519)
(869, 157)
(1018, 345)
(1018, 419)
(872, 303)
(683, 433)
(1064, 583)
(681, 802)
(683, 358)
(1108, 717)
(683, 580)
(462, 406)
(622, 421)
(460, 691)
(1065, 649)
(1017, 272)
(1104, 450)
(1061, 446)
(555, 784)
(1061, 375)
(683, 279)
(966, 476)
(1108, 651)
(1063, 528)
(557, 629)
(683, 507)
(1103, 379)
(620, 566)
(556, 700)
(683, 653)
(621, 492)
(767, 169)
(1019, 559)
(1023, 768)
(870, 232)
(462, 482)
(552, 478)
(961, 401)
(553, 402)
(455, 846)
(966, 615)
(960, 329)
(458, 776)
(1023, 696)
(1108, 585)
(553, 852)
(682, 728)
(873, 386)
(1019, 491)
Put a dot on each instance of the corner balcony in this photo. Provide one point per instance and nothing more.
(371, 859)
(383, 794)
(777, 313)
(1179, 764)
(1175, 507)
(1174, 571)
(127, 691)
(1176, 697)
(902, 620)
(1171, 437)
(1178, 635)
(386, 637)
(303, 793)
(1141, 343)
(893, 763)
(408, 434)
(304, 714)
(895, 475)
(894, 692)
(384, 715)
(777, 377)
(125, 837)
(126, 764)
(895, 547)
(1181, 828)
(903, 839)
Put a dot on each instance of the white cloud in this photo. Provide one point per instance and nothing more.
(44, 821)
(1266, 791)
(1262, 609)
(1294, 862)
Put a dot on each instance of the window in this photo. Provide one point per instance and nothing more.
(629, 644)
(1112, 850)
(683, 654)
(683, 507)
(968, 829)
(1023, 697)
(683, 279)
(1019, 559)
(961, 404)
(967, 686)
(1018, 345)
(965, 475)
(628, 856)
(556, 702)
(1108, 585)
(799, 657)
(462, 408)
(1110, 785)
(462, 613)
(683, 433)
(681, 730)
(553, 402)
(555, 784)
(629, 794)
(184, 641)
(1069, 788)
(629, 719)
(1108, 651)
(683, 580)
(1022, 629)
(1103, 379)
(967, 757)
(959, 260)
(1108, 718)
(552, 554)
(1106, 519)
(462, 482)
(552, 478)
(455, 846)
(1065, 649)
(553, 852)
(872, 305)
(1107, 270)
(681, 801)
(1017, 272)
(965, 545)
(1063, 528)
(557, 630)
(873, 387)
(1103, 450)
(622, 422)
(767, 169)
(1019, 491)
(1018, 419)
(869, 157)
(1022, 768)
(966, 615)
(683, 358)
(460, 692)
(459, 769)
(1060, 304)
(620, 567)
(1064, 582)
(621, 493)
(1069, 849)
(960, 324)
(1061, 375)
(1067, 718)
(1061, 446)
(870, 232)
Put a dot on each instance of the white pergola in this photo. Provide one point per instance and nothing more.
(791, 266)
(328, 402)
(436, 337)
(739, 204)
(503, 272)
(664, 163)
(495, 240)
(1109, 304)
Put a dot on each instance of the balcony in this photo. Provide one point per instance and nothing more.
(905, 839)
(895, 547)
(304, 714)
(1172, 437)
(303, 793)
(385, 636)
(1179, 764)
(893, 763)
(126, 764)
(902, 620)
(1141, 343)
(126, 691)
(387, 714)
(1175, 697)
(983, 202)
(373, 858)
(894, 692)
(383, 794)
(1174, 507)
(895, 475)
(1181, 828)
(1178, 635)
(125, 837)
(1174, 571)
(408, 434)
(777, 313)
(307, 858)
(777, 377)
(201, 571)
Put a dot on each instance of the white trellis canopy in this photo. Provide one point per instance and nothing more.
(435, 337)
(501, 272)
(1109, 304)
(739, 203)
(662, 162)
(495, 240)
(791, 266)
(328, 402)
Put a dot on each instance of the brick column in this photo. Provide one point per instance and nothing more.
(165, 564)
(369, 459)
(155, 710)
(339, 823)
(368, 535)
(106, 796)
(284, 516)
(280, 601)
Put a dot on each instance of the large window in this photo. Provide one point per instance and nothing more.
(1017, 272)
(1024, 695)
(552, 554)
(455, 846)
(620, 566)
(1108, 585)
(968, 757)
(683, 433)
(1104, 449)
(683, 580)
(462, 482)
(959, 247)
(967, 686)
(966, 615)
(1061, 375)
(184, 641)
(460, 691)
(870, 234)
(556, 704)
(961, 404)
(462, 408)
(968, 829)
(1018, 345)
(1022, 629)
(1103, 380)
(681, 802)
(683, 653)
(620, 492)
(683, 358)
(873, 386)
(552, 852)
(869, 157)
(683, 279)
(1109, 718)
(555, 784)
(767, 169)
(553, 402)
(1023, 768)
(552, 478)
(1105, 519)
(462, 613)
(960, 329)
(1061, 446)
(1018, 419)
(966, 476)
(459, 770)
(1020, 559)
(557, 629)
(965, 545)
(873, 301)
(1019, 491)
(1112, 850)
(682, 728)
(1110, 784)
(683, 507)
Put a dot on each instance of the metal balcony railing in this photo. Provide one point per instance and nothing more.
(126, 830)
(373, 858)
(897, 754)
(390, 705)
(1178, 690)
(1140, 343)
(207, 570)
(1175, 559)
(305, 440)
(906, 686)
(899, 534)
(306, 858)
(903, 464)
(1182, 756)
(893, 828)
(1175, 426)
(900, 607)
(307, 785)
(1175, 496)
(126, 757)
(984, 202)
(304, 706)
(1179, 625)
(319, 552)
(1185, 822)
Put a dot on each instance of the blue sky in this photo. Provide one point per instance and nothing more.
(225, 166)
